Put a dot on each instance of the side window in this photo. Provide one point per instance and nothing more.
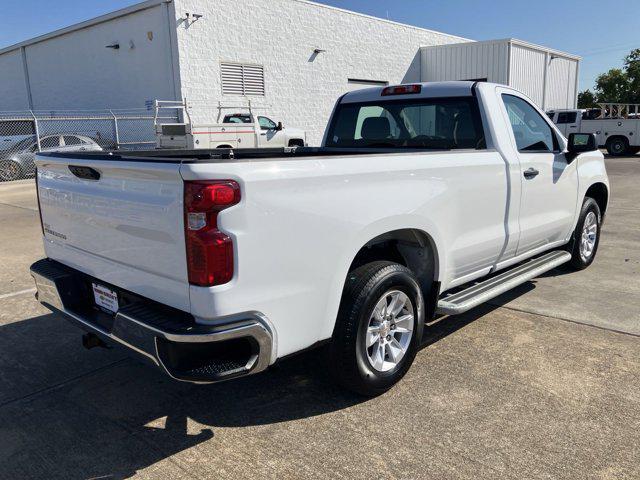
(567, 117)
(50, 142)
(266, 123)
(531, 131)
(70, 140)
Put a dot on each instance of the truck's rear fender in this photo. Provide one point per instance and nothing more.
(417, 245)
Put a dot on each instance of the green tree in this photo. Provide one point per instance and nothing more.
(587, 99)
(632, 69)
(613, 86)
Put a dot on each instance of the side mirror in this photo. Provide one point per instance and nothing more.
(279, 127)
(580, 143)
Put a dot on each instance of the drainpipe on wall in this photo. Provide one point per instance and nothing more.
(575, 92)
(544, 81)
(27, 82)
(173, 53)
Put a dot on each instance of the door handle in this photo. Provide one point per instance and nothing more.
(530, 173)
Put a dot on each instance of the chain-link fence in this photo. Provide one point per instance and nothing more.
(24, 134)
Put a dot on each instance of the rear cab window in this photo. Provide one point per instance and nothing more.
(426, 123)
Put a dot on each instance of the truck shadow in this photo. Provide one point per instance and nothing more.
(102, 414)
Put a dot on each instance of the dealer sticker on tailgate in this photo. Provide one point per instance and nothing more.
(105, 298)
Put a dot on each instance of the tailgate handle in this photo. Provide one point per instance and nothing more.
(86, 173)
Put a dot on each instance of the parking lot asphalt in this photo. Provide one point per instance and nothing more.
(541, 383)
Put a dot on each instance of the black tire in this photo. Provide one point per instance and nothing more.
(10, 170)
(578, 259)
(348, 359)
(617, 146)
(296, 143)
(633, 150)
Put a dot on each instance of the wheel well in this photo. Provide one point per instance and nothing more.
(409, 247)
(296, 142)
(224, 146)
(599, 192)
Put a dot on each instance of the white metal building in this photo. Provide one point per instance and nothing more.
(548, 77)
(292, 58)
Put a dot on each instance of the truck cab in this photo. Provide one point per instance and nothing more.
(271, 134)
(568, 121)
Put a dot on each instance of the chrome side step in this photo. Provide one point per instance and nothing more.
(479, 293)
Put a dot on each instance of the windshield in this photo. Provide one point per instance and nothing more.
(437, 123)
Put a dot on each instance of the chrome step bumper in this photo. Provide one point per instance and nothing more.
(236, 346)
(473, 296)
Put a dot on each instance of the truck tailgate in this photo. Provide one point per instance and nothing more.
(125, 228)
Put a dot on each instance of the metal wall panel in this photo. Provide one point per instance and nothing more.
(527, 72)
(466, 61)
(561, 83)
(509, 62)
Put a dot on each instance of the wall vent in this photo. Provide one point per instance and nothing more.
(242, 79)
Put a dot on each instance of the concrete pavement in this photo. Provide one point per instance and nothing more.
(523, 388)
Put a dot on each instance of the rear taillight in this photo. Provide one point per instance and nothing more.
(209, 251)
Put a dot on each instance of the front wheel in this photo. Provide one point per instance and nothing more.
(586, 236)
(379, 328)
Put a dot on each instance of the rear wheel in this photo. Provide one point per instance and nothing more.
(586, 236)
(296, 143)
(379, 328)
(617, 146)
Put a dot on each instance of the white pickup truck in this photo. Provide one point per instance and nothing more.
(424, 200)
(236, 130)
(620, 135)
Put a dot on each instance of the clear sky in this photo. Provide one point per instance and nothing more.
(601, 31)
